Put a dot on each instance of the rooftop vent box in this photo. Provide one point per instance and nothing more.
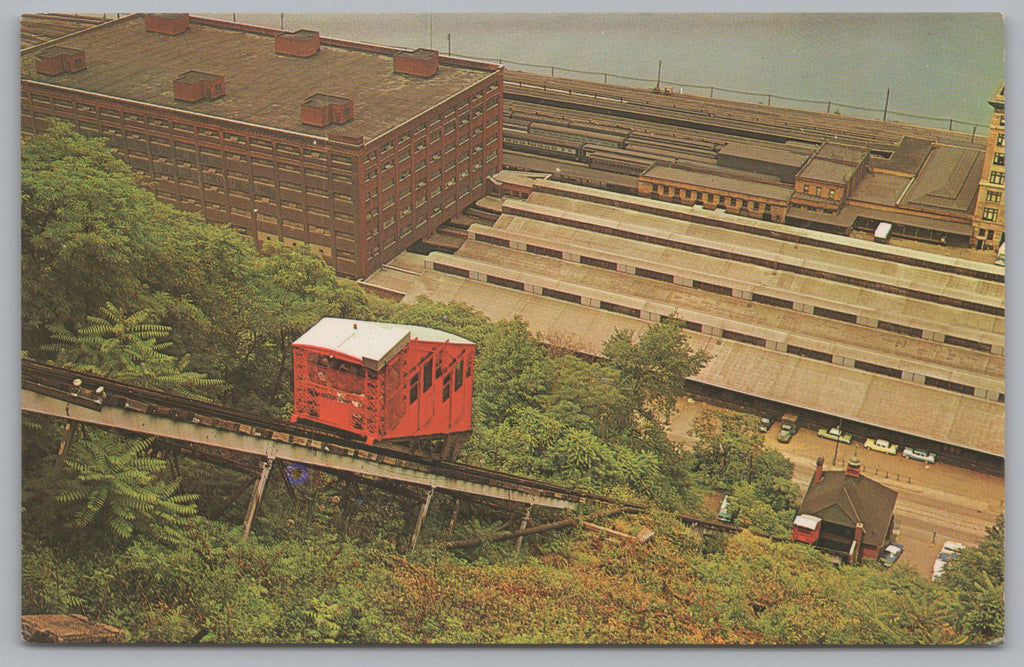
(193, 86)
(167, 24)
(321, 110)
(302, 43)
(421, 62)
(60, 59)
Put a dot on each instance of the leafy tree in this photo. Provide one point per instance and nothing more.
(727, 446)
(127, 347)
(512, 372)
(653, 370)
(117, 491)
(81, 216)
(975, 578)
(730, 456)
(587, 395)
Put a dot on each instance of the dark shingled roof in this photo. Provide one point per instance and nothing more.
(718, 181)
(846, 500)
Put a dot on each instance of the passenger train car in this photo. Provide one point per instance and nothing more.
(386, 383)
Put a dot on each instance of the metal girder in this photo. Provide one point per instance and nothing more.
(165, 427)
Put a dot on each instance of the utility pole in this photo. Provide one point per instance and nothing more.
(658, 86)
(449, 44)
(885, 112)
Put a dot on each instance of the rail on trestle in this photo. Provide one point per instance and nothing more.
(197, 426)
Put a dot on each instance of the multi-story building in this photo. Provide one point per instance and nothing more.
(357, 150)
(990, 212)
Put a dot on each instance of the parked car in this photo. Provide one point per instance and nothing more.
(787, 428)
(891, 554)
(918, 455)
(764, 424)
(880, 445)
(948, 552)
(835, 434)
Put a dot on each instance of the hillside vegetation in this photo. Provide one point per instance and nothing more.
(122, 531)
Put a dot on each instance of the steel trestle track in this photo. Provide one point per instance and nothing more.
(51, 390)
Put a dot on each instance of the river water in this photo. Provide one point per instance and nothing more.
(937, 70)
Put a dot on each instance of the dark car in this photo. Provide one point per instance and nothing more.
(891, 554)
(785, 435)
(764, 424)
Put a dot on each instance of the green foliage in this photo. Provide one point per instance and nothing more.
(730, 456)
(115, 491)
(93, 239)
(513, 372)
(314, 588)
(653, 370)
(126, 286)
(975, 578)
(126, 347)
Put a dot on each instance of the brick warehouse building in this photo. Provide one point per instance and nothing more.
(357, 150)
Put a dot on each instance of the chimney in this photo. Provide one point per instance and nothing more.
(59, 59)
(853, 467)
(167, 24)
(421, 62)
(193, 86)
(857, 548)
(301, 43)
(818, 470)
(322, 110)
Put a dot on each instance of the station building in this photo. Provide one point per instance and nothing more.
(924, 189)
(357, 150)
(990, 213)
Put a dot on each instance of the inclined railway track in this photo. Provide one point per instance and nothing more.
(83, 394)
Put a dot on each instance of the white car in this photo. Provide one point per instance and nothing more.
(948, 552)
(918, 455)
(880, 445)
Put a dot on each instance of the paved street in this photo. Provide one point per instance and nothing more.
(936, 502)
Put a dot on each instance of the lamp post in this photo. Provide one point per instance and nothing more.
(835, 455)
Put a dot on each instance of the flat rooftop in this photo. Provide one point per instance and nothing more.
(263, 88)
(719, 182)
(948, 180)
(780, 156)
(827, 171)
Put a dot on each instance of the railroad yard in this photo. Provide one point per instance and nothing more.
(837, 343)
(904, 341)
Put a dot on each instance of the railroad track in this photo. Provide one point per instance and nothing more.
(95, 394)
(726, 115)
